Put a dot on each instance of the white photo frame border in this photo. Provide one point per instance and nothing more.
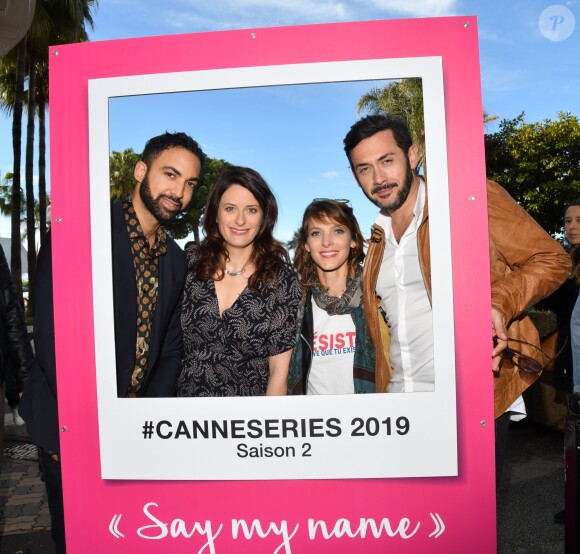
(428, 449)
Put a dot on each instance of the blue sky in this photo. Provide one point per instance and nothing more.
(522, 69)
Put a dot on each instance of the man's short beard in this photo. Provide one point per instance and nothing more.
(401, 196)
(154, 206)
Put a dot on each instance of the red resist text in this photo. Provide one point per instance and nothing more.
(334, 340)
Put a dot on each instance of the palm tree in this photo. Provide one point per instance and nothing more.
(29, 173)
(18, 108)
(487, 119)
(69, 24)
(41, 102)
(6, 195)
(53, 23)
(293, 242)
(12, 69)
(403, 99)
(6, 198)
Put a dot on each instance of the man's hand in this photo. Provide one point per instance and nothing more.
(499, 330)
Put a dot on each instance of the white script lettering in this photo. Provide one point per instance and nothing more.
(177, 527)
(257, 527)
(343, 527)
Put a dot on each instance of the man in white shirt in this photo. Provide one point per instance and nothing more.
(526, 265)
(406, 302)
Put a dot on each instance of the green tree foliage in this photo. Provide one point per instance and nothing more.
(122, 183)
(403, 99)
(6, 202)
(538, 164)
(293, 242)
(121, 168)
(6, 196)
(190, 221)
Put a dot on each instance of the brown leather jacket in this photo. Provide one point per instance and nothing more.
(526, 265)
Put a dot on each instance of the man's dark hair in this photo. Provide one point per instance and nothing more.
(157, 145)
(372, 124)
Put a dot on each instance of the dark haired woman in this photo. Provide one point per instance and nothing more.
(565, 304)
(562, 302)
(334, 353)
(572, 230)
(241, 296)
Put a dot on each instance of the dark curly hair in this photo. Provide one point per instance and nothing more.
(321, 210)
(268, 256)
(372, 124)
(155, 146)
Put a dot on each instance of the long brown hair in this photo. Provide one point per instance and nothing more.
(337, 212)
(268, 254)
(575, 251)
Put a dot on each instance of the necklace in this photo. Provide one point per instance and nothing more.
(235, 273)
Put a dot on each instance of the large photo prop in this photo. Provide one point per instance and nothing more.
(272, 474)
(276, 438)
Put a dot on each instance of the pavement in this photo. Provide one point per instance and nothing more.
(24, 514)
(530, 493)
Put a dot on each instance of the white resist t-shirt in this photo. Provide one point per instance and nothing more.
(333, 353)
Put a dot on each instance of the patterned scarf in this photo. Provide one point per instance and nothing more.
(351, 302)
(347, 303)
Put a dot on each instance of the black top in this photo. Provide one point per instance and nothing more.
(15, 350)
(38, 406)
(561, 302)
(228, 355)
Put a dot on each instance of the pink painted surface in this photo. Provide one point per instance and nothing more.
(466, 503)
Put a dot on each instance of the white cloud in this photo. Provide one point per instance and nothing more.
(187, 16)
(489, 34)
(416, 8)
(495, 78)
(235, 14)
(315, 8)
(228, 14)
(330, 174)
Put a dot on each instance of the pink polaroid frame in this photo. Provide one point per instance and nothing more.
(440, 514)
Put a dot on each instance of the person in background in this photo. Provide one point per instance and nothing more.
(334, 352)
(563, 303)
(148, 275)
(241, 296)
(15, 350)
(572, 229)
(12, 392)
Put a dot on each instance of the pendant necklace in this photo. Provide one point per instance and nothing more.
(235, 273)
